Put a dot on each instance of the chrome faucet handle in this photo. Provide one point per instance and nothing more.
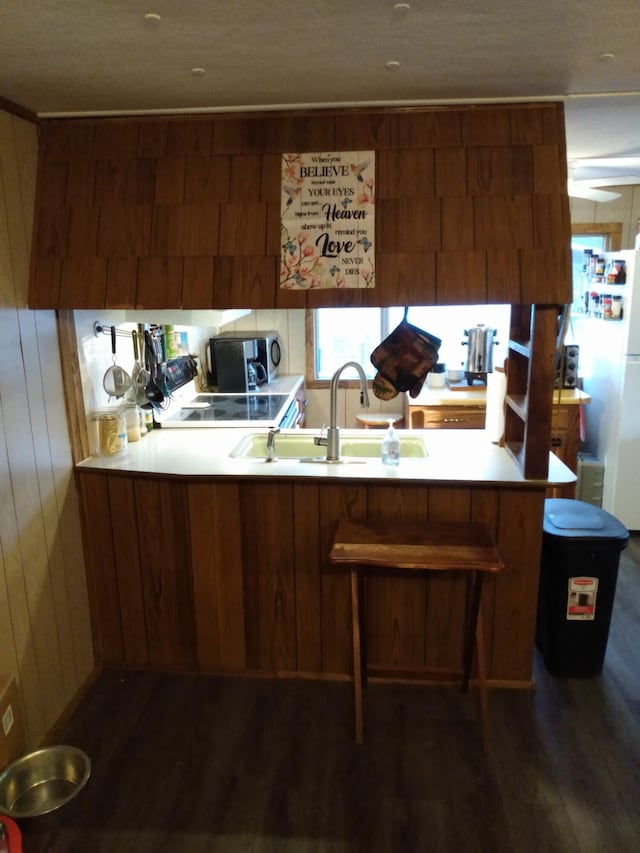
(321, 440)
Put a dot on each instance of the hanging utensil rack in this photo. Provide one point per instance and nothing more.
(105, 329)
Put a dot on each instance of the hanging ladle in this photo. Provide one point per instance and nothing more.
(139, 376)
(116, 381)
(154, 394)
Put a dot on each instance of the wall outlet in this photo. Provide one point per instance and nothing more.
(12, 733)
(7, 720)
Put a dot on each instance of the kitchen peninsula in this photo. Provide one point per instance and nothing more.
(201, 561)
(225, 570)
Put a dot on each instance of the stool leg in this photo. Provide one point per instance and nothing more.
(470, 628)
(362, 622)
(482, 682)
(474, 634)
(357, 654)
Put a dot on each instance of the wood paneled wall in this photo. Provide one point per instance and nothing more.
(45, 634)
(233, 577)
(177, 212)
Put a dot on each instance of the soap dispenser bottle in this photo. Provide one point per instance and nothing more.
(390, 446)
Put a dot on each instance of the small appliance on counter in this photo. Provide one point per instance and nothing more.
(480, 354)
(225, 360)
(233, 361)
(567, 366)
(168, 378)
(180, 370)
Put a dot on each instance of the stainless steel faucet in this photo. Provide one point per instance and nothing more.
(271, 445)
(332, 439)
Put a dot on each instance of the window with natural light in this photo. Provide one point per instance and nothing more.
(351, 334)
(345, 334)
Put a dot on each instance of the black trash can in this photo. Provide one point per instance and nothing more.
(581, 546)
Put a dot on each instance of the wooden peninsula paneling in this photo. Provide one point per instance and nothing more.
(233, 577)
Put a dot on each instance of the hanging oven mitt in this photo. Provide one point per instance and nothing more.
(403, 360)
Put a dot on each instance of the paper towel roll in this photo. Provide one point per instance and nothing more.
(496, 393)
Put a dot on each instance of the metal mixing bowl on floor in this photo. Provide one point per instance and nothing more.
(42, 781)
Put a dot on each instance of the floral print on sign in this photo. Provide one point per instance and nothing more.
(327, 220)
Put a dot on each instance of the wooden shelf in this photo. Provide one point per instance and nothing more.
(518, 404)
(515, 449)
(521, 347)
(529, 386)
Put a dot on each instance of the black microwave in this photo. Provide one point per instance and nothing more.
(269, 352)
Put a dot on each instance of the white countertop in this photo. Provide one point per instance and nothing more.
(456, 456)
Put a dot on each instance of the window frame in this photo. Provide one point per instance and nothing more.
(310, 350)
(611, 231)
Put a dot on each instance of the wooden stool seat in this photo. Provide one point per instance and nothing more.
(371, 420)
(431, 546)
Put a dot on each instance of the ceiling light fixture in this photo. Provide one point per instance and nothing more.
(152, 17)
(402, 8)
(392, 65)
(606, 57)
(197, 72)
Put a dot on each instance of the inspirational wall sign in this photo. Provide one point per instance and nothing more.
(327, 220)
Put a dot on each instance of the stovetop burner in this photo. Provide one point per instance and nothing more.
(232, 409)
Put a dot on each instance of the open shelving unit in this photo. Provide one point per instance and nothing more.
(532, 348)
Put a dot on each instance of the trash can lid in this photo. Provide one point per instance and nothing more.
(574, 519)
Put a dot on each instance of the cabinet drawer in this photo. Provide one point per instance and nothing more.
(447, 417)
(559, 418)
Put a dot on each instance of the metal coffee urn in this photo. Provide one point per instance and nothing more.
(480, 355)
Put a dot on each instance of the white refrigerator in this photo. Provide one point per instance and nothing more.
(609, 363)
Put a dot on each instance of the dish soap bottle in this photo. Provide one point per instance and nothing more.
(390, 446)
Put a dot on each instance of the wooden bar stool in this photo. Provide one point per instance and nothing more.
(430, 547)
(370, 420)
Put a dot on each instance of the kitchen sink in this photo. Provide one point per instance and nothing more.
(354, 446)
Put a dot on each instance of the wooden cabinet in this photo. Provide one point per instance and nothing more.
(184, 212)
(445, 417)
(564, 434)
(565, 442)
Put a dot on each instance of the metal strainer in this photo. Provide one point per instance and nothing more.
(116, 381)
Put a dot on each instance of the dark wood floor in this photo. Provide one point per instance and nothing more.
(193, 764)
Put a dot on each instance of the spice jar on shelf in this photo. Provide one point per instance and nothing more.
(616, 307)
(621, 271)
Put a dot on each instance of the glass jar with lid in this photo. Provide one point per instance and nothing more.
(132, 414)
(109, 433)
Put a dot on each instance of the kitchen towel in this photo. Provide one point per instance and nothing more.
(496, 396)
(403, 360)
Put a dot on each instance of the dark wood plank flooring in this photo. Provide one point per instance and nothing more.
(190, 764)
